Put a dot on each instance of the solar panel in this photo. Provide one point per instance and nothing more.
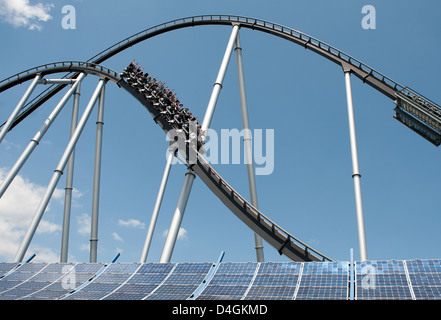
(182, 282)
(385, 280)
(274, 281)
(324, 281)
(425, 277)
(237, 268)
(58, 279)
(113, 276)
(5, 267)
(230, 281)
(143, 282)
(18, 284)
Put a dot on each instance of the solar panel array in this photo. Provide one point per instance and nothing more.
(373, 280)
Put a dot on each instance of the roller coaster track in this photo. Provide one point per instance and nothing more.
(280, 239)
(415, 111)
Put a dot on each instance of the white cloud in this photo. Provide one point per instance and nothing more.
(133, 223)
(182, 234)
(116, 237)
(20, 13)
(17, 207)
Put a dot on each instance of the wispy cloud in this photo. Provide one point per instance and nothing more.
(133, 223)
(20, 13)
(116, 236)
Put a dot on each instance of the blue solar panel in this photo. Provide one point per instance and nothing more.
(142, 283)
(386, 280)
(237, 268)
(101, 285)
(56, 280)
(324, 281)
(425, 277)
(280, 268)
(230, 281)
(5, 267)
(182, 282)
(271, 292)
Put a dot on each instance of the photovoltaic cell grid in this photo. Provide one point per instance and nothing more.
(182, 282)
(324, 281)
(275, 281)
(41, 281)
(425, 277)
(5, 267)
(230, 282)
(382, 280)
(114, 276)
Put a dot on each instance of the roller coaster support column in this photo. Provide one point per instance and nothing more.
(57, 174)
(158, 203)
(356, 172)
(219, 80)
(18, 108)
(175, 225)
(69, 182)
(97, 178)
(38, 136)
(247, 140)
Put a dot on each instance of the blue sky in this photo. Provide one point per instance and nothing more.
(298, 94)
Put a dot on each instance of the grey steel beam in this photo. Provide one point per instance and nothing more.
(247, 140)
(56, 81)
(19, 106)
(157, 207)
(355, 169)
(219, 80)
(38, 136)
(69, 182)
(57, 174)
(97, 178)
(175, 225)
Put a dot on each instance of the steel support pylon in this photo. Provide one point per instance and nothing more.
(355, 169)
(157, 207)
(247, 140)
(97, 178)
(18, 108)
(175, 225)
(69, 182)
